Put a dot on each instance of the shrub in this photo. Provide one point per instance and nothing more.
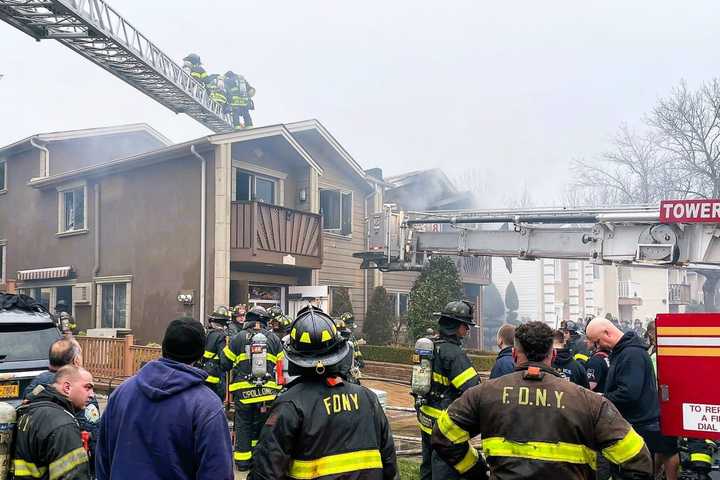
(380, 318)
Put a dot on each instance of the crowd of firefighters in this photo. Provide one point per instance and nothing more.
(231, 91)
(560, 404)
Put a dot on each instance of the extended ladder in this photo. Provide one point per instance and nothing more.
(97, 32)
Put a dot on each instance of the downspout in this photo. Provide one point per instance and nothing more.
(367, 245)
(46, 163)
(96, 265)
(203, 260)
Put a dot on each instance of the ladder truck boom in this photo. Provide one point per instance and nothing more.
(399, 241)
(97, 32)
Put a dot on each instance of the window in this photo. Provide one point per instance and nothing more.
(3, 175)
(114, 305)
(267, 295)
(251, 187)
(401, 304)
(336, 210)
(72, 209)
(43, 295)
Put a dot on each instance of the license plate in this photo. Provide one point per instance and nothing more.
(11, 390)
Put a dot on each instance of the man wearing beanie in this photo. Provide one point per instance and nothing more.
(164, 422)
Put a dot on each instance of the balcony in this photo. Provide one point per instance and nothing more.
(679, 294)
(629, 293)
(268, 234)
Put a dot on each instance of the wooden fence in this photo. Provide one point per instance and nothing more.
(114, 358)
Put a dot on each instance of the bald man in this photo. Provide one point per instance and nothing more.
(631, 386)
(48, 443)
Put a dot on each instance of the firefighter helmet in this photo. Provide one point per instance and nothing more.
(461, 311)
(193, 58)
(220, 315)
(571, 326)
(315, 342)
(257, 314)
(308, 308)
(274, 312)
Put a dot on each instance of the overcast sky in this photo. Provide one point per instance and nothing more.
(515, 90)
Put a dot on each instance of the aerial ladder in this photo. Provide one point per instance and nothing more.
(403, 241)
(97, 32)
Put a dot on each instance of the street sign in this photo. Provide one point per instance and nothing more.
(688, 361)
(690, 211)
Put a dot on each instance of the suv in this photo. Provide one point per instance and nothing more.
(26, 332)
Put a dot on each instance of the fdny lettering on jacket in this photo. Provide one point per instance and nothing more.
(344, 402)
(534, 397)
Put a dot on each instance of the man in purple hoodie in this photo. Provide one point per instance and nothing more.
(165, 423)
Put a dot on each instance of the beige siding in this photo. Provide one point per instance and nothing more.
(399, 281)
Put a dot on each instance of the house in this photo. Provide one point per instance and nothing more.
(132, 231)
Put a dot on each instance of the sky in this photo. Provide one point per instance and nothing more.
(511, 92)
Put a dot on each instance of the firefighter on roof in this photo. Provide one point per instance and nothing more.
(323, 427)
(251, 355)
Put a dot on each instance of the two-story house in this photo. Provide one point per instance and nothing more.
(131, 230)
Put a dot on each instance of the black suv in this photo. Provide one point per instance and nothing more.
(26, 332)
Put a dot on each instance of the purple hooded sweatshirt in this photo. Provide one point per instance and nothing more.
(164, 423)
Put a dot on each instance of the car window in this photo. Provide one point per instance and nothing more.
(24, 342)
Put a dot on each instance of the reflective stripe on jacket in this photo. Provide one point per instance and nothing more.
(538, 425)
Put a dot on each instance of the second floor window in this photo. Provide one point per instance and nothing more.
(3, 175)
(72, 209)
(336, 210)
(251, 187)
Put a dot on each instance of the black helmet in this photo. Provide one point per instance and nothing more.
(314, 341)
(193, 58)
(275, 312)
(571, 326)
(308, 308)
(461, 311)
(257, 314)
(220, 315)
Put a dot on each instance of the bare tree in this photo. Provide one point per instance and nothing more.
(688, 125)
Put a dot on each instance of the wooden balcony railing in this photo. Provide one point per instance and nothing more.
(277, 235)
(679, 294)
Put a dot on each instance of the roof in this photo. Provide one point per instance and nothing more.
(404, 179)
(166, 153)
(83, 133)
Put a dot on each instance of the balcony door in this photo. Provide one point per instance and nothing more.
(252, 187)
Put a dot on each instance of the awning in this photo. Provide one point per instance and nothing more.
(53, 273)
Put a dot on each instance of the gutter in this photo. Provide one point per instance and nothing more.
(203, 222)
(96, 265)
(46, 161)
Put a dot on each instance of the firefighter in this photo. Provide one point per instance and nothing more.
(452, 374)
(565, 364)
(67, 324)
(535, 424)
(697, 458)
(240, 94)
(253, 385)
(215, 342)
(597, 367)
(238, 319)
(349, 319)
(349, 368)
(216, 89)
(575, 341)
(276, 320)
(48, 443)
(322, 426)
(193, 66)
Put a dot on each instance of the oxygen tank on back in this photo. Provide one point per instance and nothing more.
(258, 357)
(422, 370)
(7, 434)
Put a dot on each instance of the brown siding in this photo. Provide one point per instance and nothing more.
(399, 281)
(77, 153)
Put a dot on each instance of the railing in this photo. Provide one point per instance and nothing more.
(478, 267)
(679, 294)
(111, 358)
(259, 226)
(628, 289)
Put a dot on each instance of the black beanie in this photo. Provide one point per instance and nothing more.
(184, 340)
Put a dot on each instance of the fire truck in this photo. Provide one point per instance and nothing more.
(682, 233)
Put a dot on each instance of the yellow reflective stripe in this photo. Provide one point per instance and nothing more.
(211, 379)
(469, 460)
(253, 443)
(441, 379)
(581, 357)
(242, 456)
(272, 357)
(229, 354)
(28, 469)
(700, 457)
(550, 452)
(281, 355)
(68, 462)
(625, 449)
(335, 464)
(210, 355)
(244, 385)
(240, 358)
(450, 429)
(265, 398)
(460, 380)
(430, 411)
(425, 429)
